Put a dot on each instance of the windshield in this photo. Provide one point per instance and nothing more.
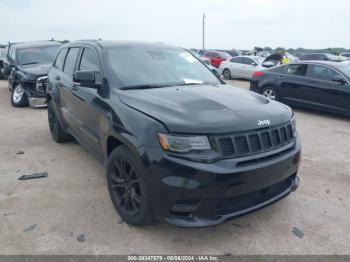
(345, 69)
(157, 67)
(260, 60)
(37, 55)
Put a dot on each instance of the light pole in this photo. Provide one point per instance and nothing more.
(203, 31)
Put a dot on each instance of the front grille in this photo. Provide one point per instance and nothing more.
(254, 142)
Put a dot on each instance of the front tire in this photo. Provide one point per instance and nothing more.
(19, 97)
(127, 189)
(57, 132)
(227, 74)
(270, 92)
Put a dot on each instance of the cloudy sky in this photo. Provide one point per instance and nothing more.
(229, 23)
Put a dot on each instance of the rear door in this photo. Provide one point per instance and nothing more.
(323, 91)
(236, 66)
(55, 77)
(66, 90)
(291, 83)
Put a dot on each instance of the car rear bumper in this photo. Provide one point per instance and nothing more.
(189, 194)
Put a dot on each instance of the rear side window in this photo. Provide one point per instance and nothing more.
(236, 60)
(89, 60)
(247, 61)
(60, 59)
(71, 59)
(321, 72)
(298, 70)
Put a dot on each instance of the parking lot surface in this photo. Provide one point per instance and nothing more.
(70, 211)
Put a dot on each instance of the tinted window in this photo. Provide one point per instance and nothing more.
(299, 70)
(70, 60)
(89, 61)
(60, 58)
(247, 61)
(321, 72)
(236, 60)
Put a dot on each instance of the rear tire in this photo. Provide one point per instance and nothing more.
(57, 132)
(271, 93)
(227, 74)
(19, 97)
(127, 189)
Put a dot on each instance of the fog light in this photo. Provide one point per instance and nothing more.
(185, 206)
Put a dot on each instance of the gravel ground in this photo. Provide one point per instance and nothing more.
(70, 212)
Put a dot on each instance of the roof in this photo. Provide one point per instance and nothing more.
(35, 44)
(130, 44)
(319, 62)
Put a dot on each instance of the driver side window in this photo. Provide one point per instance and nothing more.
(322, 73)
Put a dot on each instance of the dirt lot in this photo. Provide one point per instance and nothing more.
(46, 216)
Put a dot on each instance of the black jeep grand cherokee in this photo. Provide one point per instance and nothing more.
(179, 145)
(26, 66)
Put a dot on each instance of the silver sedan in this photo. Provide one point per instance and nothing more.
(241, 67)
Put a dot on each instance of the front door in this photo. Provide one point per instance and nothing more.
(323, 91)
(88, 103)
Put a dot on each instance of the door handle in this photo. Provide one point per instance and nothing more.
(280, 77)
(58, 78)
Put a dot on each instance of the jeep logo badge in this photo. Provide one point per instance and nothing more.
(264, 123)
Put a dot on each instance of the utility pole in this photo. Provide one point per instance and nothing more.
(203, 31)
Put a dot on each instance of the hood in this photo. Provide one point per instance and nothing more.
(206, 109)
(35, 70)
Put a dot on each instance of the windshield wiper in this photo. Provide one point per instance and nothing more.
(142, 86)
(195, 83)
(30, 63)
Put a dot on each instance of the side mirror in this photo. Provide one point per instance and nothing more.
(254, 64)
(86, 79)
(7, 69)
(339, 80)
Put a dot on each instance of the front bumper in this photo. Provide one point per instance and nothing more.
(36, 98)
(189, 194)
(37, 102)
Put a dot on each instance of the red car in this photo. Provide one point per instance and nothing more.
(216, 57)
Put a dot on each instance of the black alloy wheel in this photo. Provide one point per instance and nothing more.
(125, 186)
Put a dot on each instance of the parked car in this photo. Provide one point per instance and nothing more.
(319, 85)
(27, 65)
(322, 57)
(241, 67)
(346, 55)
(202, 58)
(179, 145)
(216, 57)
(2, 62)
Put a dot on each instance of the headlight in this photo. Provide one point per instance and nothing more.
(183, 144)
(41, 83)
(294, 124)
